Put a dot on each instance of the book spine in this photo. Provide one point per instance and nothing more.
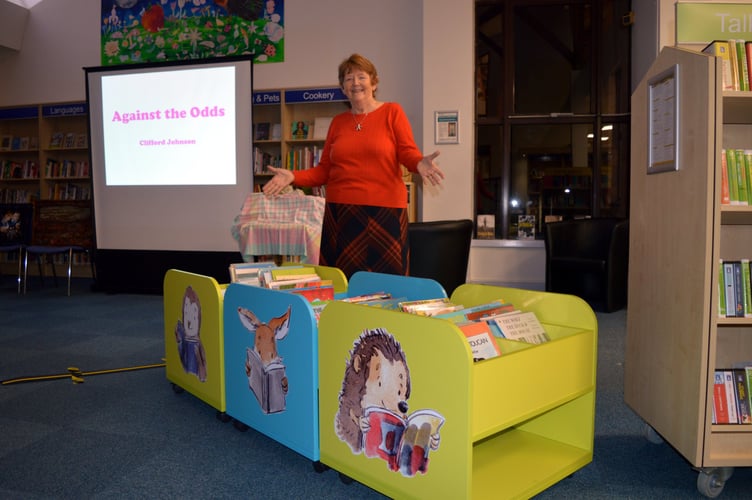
(741, 51)
(747, 287)
(741, 173)
(719, 399)
(728, 378)
(728, 286)
(721, 291)
(748, 52)
(725, 198)
(742, 396)
(723, 52)
(738, 289)
(720, 48)
(732, 177)
(748, 374)
(734, 64)
(746, 164)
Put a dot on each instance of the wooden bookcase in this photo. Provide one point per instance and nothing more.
(285, 108)
(64, 167)
(44, 155)
(678, 233)
(19, 154)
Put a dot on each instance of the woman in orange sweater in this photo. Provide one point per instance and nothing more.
(365, 219)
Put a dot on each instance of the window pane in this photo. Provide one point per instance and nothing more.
(488, 174)
(552, 59)
(552, 112)
(551, 174)
(614, 86)
(614, 170)
(490, 76)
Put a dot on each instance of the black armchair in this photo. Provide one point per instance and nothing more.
(440, 250)
(589, 258)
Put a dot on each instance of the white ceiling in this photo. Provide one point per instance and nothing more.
(25, 3)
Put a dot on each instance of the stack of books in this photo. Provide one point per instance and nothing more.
(301, 280)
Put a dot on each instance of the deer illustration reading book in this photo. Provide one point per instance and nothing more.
(267, 376)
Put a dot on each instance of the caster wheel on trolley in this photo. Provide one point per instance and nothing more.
(652, 436)
(177, 389)
(239, 425)
(319, 467)
(345, 479)
(223, 417)
(711, 480)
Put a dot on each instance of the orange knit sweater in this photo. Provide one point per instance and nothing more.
(362, 167)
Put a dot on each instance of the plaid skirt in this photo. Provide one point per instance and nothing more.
(365, 238)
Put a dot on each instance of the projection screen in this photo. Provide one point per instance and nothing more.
(171, 153)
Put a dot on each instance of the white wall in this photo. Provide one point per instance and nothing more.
(644, 38)
(423, 49)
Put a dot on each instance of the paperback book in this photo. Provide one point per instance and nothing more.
(429, 307)
(482, 342)
(521, 326)
(404, 442)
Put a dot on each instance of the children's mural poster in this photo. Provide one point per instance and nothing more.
(140, 31)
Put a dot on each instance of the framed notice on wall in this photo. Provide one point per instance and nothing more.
(663, 121)
(447, 127)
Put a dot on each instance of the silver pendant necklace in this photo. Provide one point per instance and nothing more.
(358, 124)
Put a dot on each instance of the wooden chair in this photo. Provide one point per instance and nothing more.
(440, 250)
(61, 227)
(15, 232)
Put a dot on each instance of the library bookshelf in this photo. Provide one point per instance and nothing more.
(44, 155)
(275, 115)
(280, 111)
(679, 231)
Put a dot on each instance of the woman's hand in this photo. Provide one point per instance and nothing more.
(282, 178)
(429, 171)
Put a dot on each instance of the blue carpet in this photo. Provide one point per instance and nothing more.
(128, 435)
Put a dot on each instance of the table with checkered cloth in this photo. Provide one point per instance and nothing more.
(288, 224)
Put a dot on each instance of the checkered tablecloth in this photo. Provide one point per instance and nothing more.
(288, 224)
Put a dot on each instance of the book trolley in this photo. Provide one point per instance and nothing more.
(508, 427)
(676, 336)
(197, 365)
(213, 363)
(194, 350)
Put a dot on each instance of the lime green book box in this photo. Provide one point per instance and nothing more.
(405, 410)
(194, 349)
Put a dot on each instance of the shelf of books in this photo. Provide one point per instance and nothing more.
(290, 127)
(19, 154)
(44, 155)
(686, 331)
(419, 406)
(64, 152)
(308, 112)
(267, 134)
